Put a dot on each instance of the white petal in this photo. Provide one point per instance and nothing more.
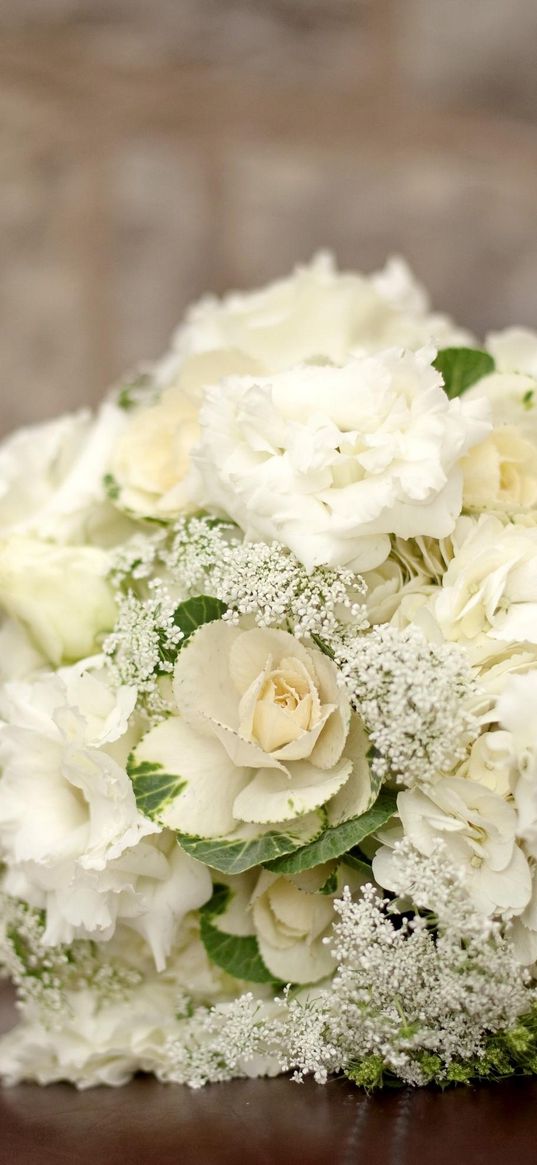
(274, 797)
(251, 649)
(202, 682)
(301, 963)
(204, 808)
(355, 795)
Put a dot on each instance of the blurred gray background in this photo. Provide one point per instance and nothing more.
(153, 149)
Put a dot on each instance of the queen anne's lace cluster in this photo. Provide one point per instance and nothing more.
(414, 698)
(411, 997)
(153, 573)
(44, 976)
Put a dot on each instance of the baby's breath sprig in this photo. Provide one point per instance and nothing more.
(45, 975)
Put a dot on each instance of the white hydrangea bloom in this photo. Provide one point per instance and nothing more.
(488, 596)
(332, 461)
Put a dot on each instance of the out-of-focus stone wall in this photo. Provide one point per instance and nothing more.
(150, 151)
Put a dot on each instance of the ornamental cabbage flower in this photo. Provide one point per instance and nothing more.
(263, 736)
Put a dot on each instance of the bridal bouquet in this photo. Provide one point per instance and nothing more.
(268, 702)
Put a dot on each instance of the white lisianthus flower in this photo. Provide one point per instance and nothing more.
(152, 456)
(264, 735)
(488, 595)
(73, 839)
(317, 313)
(91, 1044)
(51, 478)
(478, 828)
(60, 595)
(332, 461)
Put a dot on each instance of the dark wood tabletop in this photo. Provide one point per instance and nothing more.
(266, 1122)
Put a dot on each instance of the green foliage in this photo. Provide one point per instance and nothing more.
(462, 367)
(337, 839)
(193, 613)
(237, 954)
(235, 854)
(154, 788)
(512, 1052)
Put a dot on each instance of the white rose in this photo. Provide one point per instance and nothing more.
(316, 313)
(478, 828)
(332, 461)
(60, 594)
(73, 839)
(264, 736)
(489, 591)
(152, 456)
(51, 478)
(501, 473)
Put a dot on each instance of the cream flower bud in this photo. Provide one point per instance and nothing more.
(60, 594)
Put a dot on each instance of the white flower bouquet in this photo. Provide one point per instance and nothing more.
(268, 702)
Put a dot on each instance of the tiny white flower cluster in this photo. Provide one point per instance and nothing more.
(268, 582)
(44, 975)
(415, 700)
(144, 645)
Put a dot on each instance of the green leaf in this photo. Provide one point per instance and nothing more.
(237, 954)
(462, 367)
(359, 864)
(233, 855)
(193, 613)
(337, 839)
(324, 647)
(153, 787)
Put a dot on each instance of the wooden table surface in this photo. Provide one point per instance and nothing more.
(266, 1122)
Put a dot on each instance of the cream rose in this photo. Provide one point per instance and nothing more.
(332, 461)
(264, 736)
(490, 762)
(501, 473)
(60, 595)
(152, 456)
